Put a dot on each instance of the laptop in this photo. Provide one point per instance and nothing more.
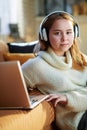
(13, 90)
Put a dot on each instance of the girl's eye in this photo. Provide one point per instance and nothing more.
(69, 32)
(57, 33)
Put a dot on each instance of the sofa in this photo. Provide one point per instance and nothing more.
(39, 118)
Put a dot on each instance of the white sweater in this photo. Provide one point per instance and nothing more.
(51, 74)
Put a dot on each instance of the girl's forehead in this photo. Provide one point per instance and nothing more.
(62, 22)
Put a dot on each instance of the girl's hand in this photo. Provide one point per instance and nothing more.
(57, 99)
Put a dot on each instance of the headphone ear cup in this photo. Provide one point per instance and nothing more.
(44, 35)
(76, 31)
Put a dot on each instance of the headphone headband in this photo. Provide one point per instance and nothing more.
(42, 31)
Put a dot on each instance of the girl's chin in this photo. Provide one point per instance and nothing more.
(65, 49)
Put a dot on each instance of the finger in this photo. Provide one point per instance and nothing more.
(51, 97)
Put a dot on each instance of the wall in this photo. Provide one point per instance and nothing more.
(82, 21)
(29, 19)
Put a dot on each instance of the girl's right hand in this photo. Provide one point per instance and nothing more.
(57, 99)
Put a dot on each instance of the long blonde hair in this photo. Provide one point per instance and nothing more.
(79, 59)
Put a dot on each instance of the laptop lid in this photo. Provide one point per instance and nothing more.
(13, 89)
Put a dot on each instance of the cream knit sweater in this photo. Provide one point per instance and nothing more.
(51, 74)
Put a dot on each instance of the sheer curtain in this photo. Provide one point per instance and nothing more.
(8, 14)
(4, 17)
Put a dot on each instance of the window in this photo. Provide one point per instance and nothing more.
(47, 6)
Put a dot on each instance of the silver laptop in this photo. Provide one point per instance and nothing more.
(13, 90)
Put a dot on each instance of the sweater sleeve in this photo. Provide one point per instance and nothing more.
(28, 72)
(77, 100)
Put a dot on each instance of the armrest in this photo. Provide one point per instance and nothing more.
(22, 57)
(37, 119)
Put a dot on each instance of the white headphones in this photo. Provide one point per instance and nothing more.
(43, 33)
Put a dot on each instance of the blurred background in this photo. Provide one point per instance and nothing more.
(20, 19)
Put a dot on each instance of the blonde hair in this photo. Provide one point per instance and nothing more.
(79, 59)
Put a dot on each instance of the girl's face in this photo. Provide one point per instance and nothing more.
(61, 36)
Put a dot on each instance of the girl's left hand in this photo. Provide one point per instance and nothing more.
(57, 99)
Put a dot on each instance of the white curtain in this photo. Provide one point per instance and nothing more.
(4, 16)
(8, 14)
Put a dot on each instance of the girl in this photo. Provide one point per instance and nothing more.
(60, 70)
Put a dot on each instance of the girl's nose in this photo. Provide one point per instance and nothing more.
(64, 36)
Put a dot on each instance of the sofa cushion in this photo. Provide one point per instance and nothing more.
(3, 49)
(18, 56)
(22, 47)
